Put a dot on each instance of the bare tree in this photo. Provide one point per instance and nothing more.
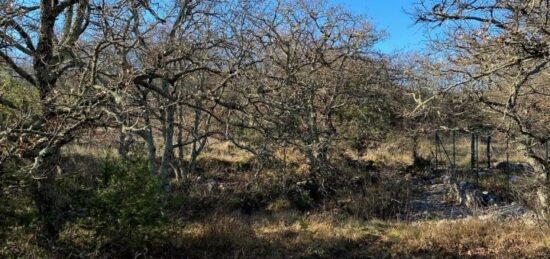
(178, 61)
(44, 45)
(309, 53)
(499, 51)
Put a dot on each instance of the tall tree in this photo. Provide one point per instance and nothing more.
(45, 46)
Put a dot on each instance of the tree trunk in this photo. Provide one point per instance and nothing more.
(167, 153)
(198, 144)
(181, 155)
(151, 150)
(148, 137)
(415, 157)
(318, 165)
(44, 195)
(124, 142)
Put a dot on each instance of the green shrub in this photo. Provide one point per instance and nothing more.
(129, 203)
(300, 198)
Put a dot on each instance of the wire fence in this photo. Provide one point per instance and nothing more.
(460, 151)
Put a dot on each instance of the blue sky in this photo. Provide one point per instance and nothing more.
(389, 15)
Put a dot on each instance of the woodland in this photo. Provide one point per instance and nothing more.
(272, 129)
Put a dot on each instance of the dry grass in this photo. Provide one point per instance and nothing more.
(278, 235)
(320, 235)
(471, 237)
(392, 154)
(325, 235)
(225, 152)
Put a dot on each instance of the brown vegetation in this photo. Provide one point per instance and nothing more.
(271, 128)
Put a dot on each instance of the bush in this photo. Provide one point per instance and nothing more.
(381, 196)
(130, 202)
(300, 198)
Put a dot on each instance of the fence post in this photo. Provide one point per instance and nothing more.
(489, 152)
(507, 151)
(547, 161)
(436, 151)
(454, 151)
(477, 151)
(473, 152)
(507, 168)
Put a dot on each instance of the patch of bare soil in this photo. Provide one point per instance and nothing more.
(432, 199)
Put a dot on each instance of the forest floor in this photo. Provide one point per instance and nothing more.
(431, 201)
(435, 226)
(207, 220)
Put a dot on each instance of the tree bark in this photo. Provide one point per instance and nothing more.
(168, 146)
(181, 155)
(44, 195)
(147, 136)
(124, 142)
(197, 145)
